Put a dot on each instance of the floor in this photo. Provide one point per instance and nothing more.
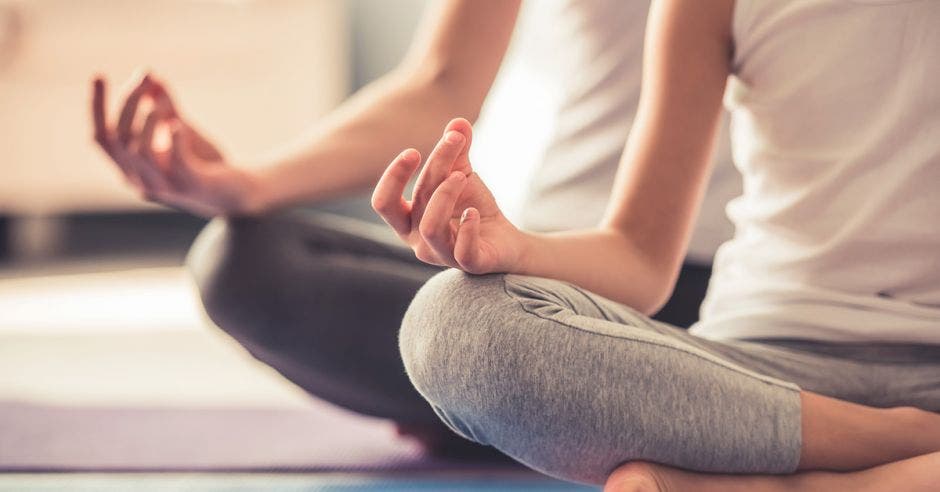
(281, 483)
(115, 368)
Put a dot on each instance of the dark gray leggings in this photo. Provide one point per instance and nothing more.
(320, 298)
(562, 380)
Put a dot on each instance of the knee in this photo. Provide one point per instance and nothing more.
(502, 376)
(478, 358)
(443, 340)
(229, 263)
(437, 328)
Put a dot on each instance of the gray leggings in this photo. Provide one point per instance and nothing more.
(320, 299)
(573, 384)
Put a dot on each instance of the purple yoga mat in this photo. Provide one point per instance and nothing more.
(319, 438)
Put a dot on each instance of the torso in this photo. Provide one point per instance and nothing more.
(835, 110)
(598, 66)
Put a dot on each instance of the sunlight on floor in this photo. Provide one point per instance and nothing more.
(138, 300)
(133, 337)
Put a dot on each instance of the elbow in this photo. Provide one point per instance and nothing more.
(455, 94)
(655, 292)
(452, 93)
(658, 297)
(654, 271)
(663, 278)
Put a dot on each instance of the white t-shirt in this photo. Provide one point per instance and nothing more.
(596, 61)
(835, 110)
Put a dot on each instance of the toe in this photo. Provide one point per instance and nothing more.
(634, 477)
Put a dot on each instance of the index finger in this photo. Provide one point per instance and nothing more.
(98, 114)
(462, 162)
(387, 198)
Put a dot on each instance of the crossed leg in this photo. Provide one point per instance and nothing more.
(895, 449)
(575, 385)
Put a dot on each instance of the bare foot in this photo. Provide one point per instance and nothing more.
(918, 474)
(637, 476)
(652, 477)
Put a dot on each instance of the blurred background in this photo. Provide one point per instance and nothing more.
(107, 362)
(252, 74)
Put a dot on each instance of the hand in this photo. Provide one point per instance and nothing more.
(166, 160)
(452, 219)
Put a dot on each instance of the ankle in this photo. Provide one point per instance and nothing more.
(919, 427)
(912, 415)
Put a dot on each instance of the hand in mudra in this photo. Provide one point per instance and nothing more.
(182, 169)
(452, 219)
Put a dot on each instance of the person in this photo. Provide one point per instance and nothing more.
(320, 298)
(816, 364)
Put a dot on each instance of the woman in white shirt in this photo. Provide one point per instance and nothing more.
(819, 350)
(320, 297)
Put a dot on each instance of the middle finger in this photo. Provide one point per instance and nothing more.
(126, 119)
(436, 169)
(144, 144)
(435, 227)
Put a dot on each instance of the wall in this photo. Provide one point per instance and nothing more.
(380, 32)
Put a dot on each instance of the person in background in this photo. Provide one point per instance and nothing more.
(816, 364)
(320, 298)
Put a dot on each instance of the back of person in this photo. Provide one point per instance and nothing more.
(836, 232)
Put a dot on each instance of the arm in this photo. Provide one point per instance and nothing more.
(448, 70)
(635, 254)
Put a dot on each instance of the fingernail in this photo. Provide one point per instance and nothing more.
(465, 215)
(456, 176)
(454, 137)
(409, 155)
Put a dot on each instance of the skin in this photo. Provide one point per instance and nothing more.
(644, 233)
(346, 152)
(452, 220)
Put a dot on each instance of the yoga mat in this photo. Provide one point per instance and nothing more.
(117, 372)
(282, 483)
(318, 438)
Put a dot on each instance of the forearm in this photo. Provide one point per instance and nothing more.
(348, 151)
(603, 261)
(635, 255)
(447, 73)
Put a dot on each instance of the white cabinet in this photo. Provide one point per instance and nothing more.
(252, 74)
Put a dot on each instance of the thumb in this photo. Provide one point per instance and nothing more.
(182, 158)
(467, 244)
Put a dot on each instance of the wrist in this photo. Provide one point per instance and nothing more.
(526, 254)
(255, 195)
